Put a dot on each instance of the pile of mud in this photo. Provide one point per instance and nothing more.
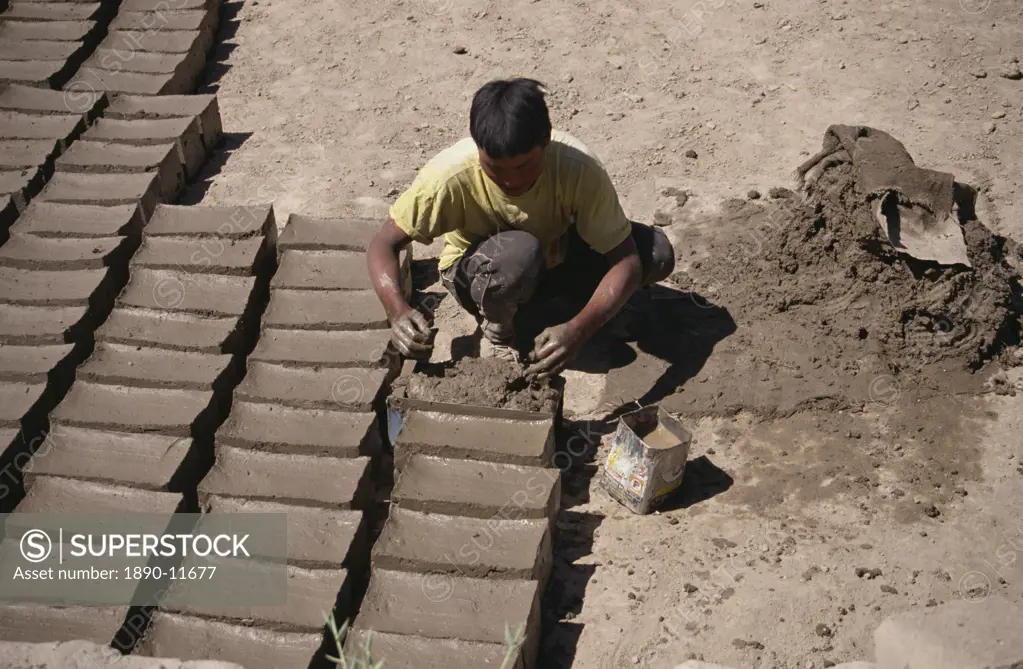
(481, 382)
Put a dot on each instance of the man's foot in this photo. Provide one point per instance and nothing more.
(489, 349)
(498, 333)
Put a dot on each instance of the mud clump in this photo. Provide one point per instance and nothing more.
(481, 382)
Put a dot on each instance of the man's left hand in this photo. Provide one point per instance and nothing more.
(554, 349)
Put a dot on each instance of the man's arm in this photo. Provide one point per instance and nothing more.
(557, 346)
(410, 331)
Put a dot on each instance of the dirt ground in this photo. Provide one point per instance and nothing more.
(802, 524)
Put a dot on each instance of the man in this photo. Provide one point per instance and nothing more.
(524, 210)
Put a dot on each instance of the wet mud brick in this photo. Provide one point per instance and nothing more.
(60, 127)
(21, 185)
(311, 348)
(206, 294)
(166, 74)
(317, 537)
(41, 73)
(477, 489)
(42, 325)
(201, 20)
(117, 364)
(270, 427)
(155, 41)
(187, 637)
(33, 100)
(184, 132)
(91, 288)
(54, 494)
(400, 651)
(35, 624)
(142, 188)
(17, 400)
(161, 5)
(22, 153)
(322, 270)
(168, 411)
(452, 607)
(32, 364)
(44, 11)
(337, 483)
(146, 461)
(475, 437)
(175, 331)
(32, 252)
(41, 51)
(203, 108)
(347, 388)
(498, 547)
(56, 31)
(234, 223)
(112, 158)
(325, 310)
(56, 219)
(237, 257)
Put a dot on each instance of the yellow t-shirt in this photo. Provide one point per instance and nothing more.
(452, 196)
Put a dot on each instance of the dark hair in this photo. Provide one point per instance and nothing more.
(509, 117)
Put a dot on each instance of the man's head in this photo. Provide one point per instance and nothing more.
(511, 127)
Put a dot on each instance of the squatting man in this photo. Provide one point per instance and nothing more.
(527, 213)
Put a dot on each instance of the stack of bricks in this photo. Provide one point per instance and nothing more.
(303, 437)
(135, 431)
(467, 550)
(43, 43)
(154, 47)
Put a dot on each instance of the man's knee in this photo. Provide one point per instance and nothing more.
(508, 263)
(656, 252)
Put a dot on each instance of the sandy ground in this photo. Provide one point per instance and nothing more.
(331, 106)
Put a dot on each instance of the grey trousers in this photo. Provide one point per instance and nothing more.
(505, 271)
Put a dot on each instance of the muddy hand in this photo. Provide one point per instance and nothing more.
(553, 350)
(410, 334)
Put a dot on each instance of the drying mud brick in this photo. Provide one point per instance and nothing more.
(56, 219)
(339, 483)
(31, 252)
(315, 348)
(305, 233)
(452, 607)
(33, 100)
(207, 294)
(22, 185)
(107, 157)
(58, 31)
(520, 442)
(17, 399)
(401, 651)
(42, 73)
(477, 489)
(184, 66)
(162, 410)
(238, 257)
(52, 494)
(317, 537)
(184, 132)
(141, 188)
(41, 325)
(349, 388)
(958, 635)
(496, 547)
(31, 364)
(36, 11)
(45, 288)
(41, 51)
(203, 108)
(61, 127)
(173, 635)
(189, 19)
(322, 270)
(179, 79)
(161, 5)
(325, 310)
(184, 332)
(241, 222)
(158, 41)
(27, 152)
(87, 655)
(33, 623)
(148, 461)
(152, 367)
(344, 434)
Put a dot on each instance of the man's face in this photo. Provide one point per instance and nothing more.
(515, 175)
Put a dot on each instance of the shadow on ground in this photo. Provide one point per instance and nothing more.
(216, 62)
(229, 143)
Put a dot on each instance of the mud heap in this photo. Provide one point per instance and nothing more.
(482, 382)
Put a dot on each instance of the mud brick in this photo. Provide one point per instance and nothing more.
(180, 79)
(325, 310)
(8, 214)
(142, 188)
(42, 73)
(147, 461)
(350, 388)
(45, 288)
(306, 233)
(40, 51)
(21, 185)
(31, 364)
(204, 108)
(20, 153)
(161, 410)
(317, 537)
(55, 219)
(53, 494)
(269, 427)
(41, 325)
(113, 61)
(189, 638)
(238, 257)
(477, 489)
(204, 22)
(31, 252)
(17, 400)
(482, 547)
(108, 157)
(32, 100)
(322, 270)
(208, 294)
(35, 624)
(35, 11)
(338, 483)
(185, 332)
(520, 442)
(61, 127)
(241, 222)
(184, 132)
(313, 348)
(156, 41)
(452, 607)
(58, 31)
(311, 595)
(162, 5)
(117, 364)
(401, 651)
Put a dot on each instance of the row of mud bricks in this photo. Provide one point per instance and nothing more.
(145, 47)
